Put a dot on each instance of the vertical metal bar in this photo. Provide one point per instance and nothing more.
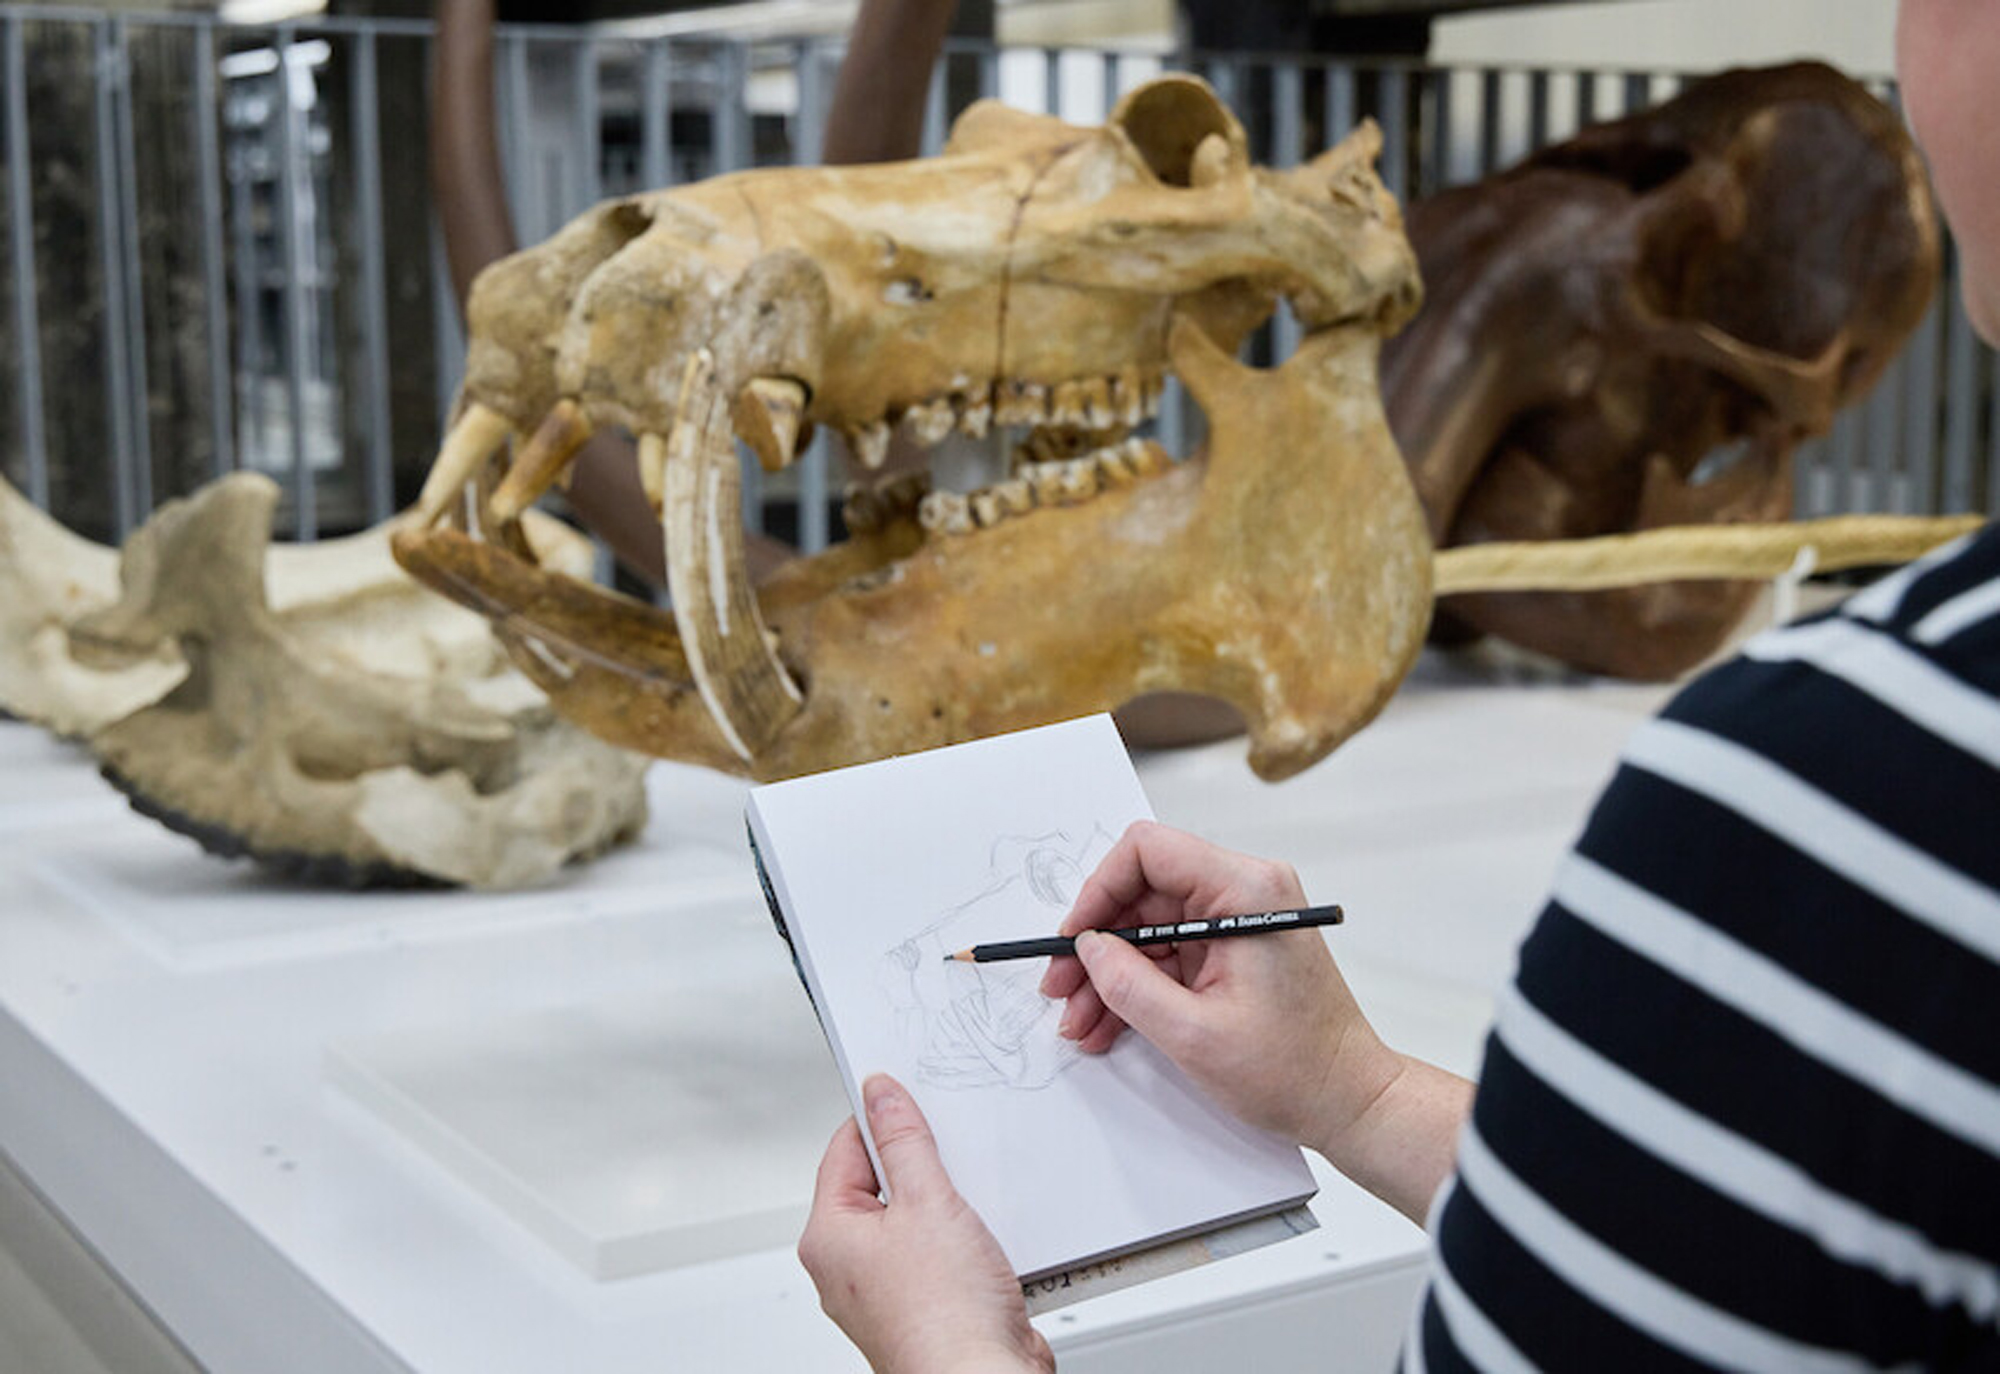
(379, 478)
(1339, 102)
(21, 236)
(1436, 172)
(808, 141)
(1586, 99)
(1920, 455)
(1961, 423)
(208, 169)
(656, 122)
(1288, 130)
(291, 209)
(589, 131)
(135, 293)
(249, 379)
(937, 117)
(1880, 421)
(989, 72)
(1489, 120)
(447, 332)
(1395, 115)
(729, 132)
(1538, 109)
(1993, 434)
(516, 119)
(111, 258)
(1108, 62)
(1638, 91)
(808, 121)
(1052, 82)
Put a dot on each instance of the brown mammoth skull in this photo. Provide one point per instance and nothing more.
(1728, 269)
(1030, 289)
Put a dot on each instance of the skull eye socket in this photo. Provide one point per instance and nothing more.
(1167, 121)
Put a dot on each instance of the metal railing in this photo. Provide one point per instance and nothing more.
(221, 252)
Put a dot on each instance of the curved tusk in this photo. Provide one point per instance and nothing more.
(729, 651)
(473, 440)
(768, 413)
(542, 461)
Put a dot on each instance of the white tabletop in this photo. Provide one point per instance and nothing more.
(178, 1037)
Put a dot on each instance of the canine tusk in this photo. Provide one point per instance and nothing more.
(730, 654)
(543, 460)
(473, 440)
(768, 413)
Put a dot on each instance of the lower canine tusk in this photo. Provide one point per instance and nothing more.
(768, 413)
(472, 441)
(542, 460)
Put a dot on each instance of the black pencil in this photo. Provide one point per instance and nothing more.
(1208, 929)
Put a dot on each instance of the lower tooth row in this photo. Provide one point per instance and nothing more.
(1064, 483)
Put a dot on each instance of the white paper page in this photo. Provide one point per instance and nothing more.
(888, 867)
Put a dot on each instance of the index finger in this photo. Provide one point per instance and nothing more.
(1147, 862)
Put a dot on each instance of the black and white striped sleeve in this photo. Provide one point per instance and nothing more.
(1740, 1108)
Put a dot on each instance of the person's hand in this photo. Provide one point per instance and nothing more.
(918, 1282)
(1265, 1024)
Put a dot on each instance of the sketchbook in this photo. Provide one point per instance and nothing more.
(876, 872)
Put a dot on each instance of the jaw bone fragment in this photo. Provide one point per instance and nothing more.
(327, 720)
(48, 578)
(1037, 275)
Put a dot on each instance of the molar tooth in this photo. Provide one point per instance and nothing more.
(901, 494)
(929, 421)
(1128, 396)
(1045, 480)
(870, 444)
(1069, 405)
(1155, 387)
(945, 512)
(1078, 480)
(860, 511)
(1146, 457)
(986, 508)
(1018, 402)
(1015, 495)
(1112, 468)
(977, 416)
(1097, 409)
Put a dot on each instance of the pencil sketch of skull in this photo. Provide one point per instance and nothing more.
(987, 1025)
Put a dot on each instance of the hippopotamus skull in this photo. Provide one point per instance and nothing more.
(1039, 280)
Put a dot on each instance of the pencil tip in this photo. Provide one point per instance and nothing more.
(964, 956)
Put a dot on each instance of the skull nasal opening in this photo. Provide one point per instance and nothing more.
(1167, 121)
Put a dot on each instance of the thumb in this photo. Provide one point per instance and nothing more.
(1138, 991)
(911, 1168)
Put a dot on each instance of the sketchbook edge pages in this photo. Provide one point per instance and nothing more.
(877, 871)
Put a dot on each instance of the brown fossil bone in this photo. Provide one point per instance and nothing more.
(1032, 288)
(308, 706)
(1729, 268)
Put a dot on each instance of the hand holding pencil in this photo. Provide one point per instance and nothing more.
(1266, 1026)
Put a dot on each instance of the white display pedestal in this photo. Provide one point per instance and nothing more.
(325, 1132)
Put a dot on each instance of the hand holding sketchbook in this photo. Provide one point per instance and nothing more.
(876, 873)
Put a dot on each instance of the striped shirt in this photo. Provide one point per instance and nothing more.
(1740, 1108)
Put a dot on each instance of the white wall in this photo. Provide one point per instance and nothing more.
(1855, 35)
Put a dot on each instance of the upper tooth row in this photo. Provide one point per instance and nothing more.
(1126, 398)
(1041, 484)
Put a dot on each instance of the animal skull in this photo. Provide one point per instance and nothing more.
(1729, 268)
(307, 705)
(1038, 280)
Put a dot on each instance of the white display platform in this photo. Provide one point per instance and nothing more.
(199, 1067)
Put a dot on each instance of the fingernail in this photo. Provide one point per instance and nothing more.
(880, 1093)
(1088, 940)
